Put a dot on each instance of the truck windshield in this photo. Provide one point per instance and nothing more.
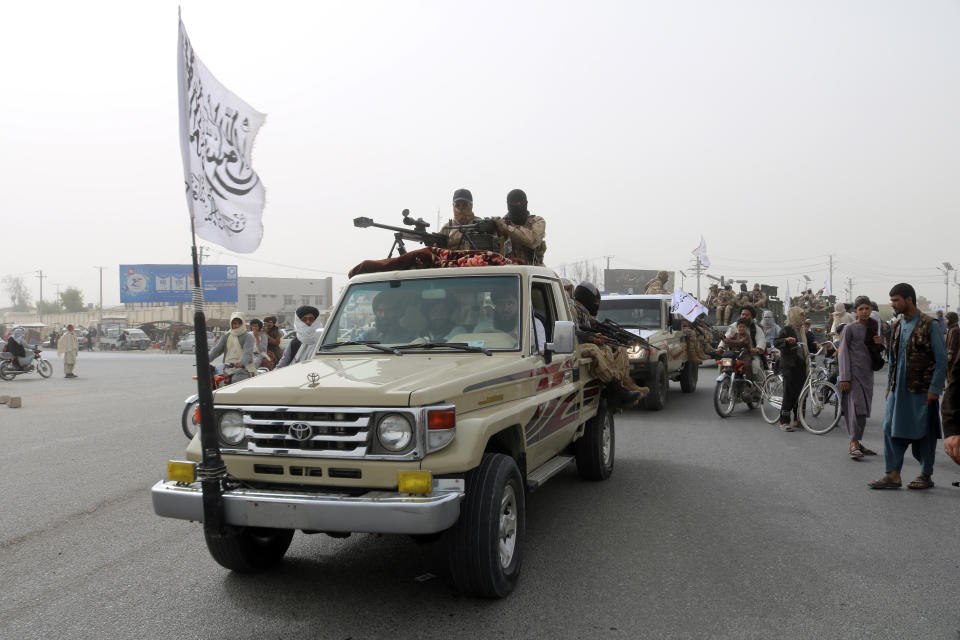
(632, 313)
(477, 311)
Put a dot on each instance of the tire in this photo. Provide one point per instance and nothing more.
(4, 371)
(595, 449)
(772, 398)
(249, 549)
(657, 397)
(44, 368)
(188, 420)
(724, 398)
(688, 377)
(485, 545)
(819, 407)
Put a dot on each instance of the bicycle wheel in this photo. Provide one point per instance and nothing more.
(819, 406)
(772, 398)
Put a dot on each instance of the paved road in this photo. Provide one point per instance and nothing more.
(708, 528)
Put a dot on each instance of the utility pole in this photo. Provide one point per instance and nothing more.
(947, 268)
(850, 289)
(202, 252)
(40, 304)
(100, 323)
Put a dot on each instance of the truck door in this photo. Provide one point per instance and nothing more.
(558, 397)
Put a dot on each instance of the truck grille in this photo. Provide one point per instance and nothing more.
(308, 431)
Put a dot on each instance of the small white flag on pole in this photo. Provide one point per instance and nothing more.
(224, 194)
(826, 288)
(786, 299)
(701, 253)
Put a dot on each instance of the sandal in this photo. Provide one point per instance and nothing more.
(855, 451)
(867, 452)
(922, 481)
(886, 482)
(786, 427)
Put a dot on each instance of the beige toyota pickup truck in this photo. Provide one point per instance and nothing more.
(435, 401)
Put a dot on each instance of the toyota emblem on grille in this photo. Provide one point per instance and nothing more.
(313, 378)
(300, 431)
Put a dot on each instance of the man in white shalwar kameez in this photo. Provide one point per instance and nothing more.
(68, 347)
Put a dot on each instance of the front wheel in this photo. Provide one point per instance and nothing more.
(249, 549)
(657, 398)
(595, 449)
(772, 398)
(724, 397)
(44, 368)
(819, 407)
(485, 545)
(188, 419)
(689, 376)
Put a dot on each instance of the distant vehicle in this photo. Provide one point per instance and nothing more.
(134, 339)
(188, 342)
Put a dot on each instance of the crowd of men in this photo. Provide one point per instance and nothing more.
(723, 300)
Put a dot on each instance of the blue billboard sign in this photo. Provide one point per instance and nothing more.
(167, 283)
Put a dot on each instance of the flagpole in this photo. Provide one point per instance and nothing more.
(211, 470)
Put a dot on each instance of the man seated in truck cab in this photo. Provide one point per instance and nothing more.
(439, 314)
(506, 318)
(388, 308)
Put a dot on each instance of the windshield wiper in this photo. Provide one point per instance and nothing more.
(375, 344)
(462, 346)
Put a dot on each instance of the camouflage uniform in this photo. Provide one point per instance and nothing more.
(694, 340)
(725, 300)
(455, 239)
(757, 297)
(655, 286)
(608, 364)
(711, 301)
(526, 241)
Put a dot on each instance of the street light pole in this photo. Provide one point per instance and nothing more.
(947, 268)
(100, 322)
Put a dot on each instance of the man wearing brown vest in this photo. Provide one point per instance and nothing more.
(917, 369)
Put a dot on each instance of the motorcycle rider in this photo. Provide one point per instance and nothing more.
(17, 346)
(236, 346)
(757, 341)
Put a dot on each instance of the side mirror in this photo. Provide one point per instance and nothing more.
(564, 338)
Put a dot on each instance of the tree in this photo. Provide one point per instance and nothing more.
(46, 306)
(15, 288)
(72, 299)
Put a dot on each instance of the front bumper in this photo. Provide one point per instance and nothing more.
(371, 512)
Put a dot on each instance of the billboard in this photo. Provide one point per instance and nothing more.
(166, 283)
(632, 280)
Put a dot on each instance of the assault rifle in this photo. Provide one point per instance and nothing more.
(418, 233)
(481, 234)
(617, 335)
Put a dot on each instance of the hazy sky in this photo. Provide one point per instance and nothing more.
(782, 131)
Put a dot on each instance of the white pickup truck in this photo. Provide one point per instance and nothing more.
(649, 317)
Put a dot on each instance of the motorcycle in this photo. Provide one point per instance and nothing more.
(10, 370)
(190, 418)
(734, 384)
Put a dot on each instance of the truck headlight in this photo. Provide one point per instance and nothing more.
(231, 427)
(394, 432)
(638, 352)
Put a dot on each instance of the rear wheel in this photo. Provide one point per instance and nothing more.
(595, 449)
(44, 368)
(819, 407)
(724, 397)
(485, 545)
(249, 549)
(5, 370)
(657, 397)
(689, 376)
(772, 398)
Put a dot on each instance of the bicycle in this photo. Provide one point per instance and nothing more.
(819, 401)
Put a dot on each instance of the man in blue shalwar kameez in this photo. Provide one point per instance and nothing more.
(918, 365)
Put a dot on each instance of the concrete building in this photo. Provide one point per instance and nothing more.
(257, 297)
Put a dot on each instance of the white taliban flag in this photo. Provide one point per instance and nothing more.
(686, 305)
(224, 194)
(826, 288)
(701, 253)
